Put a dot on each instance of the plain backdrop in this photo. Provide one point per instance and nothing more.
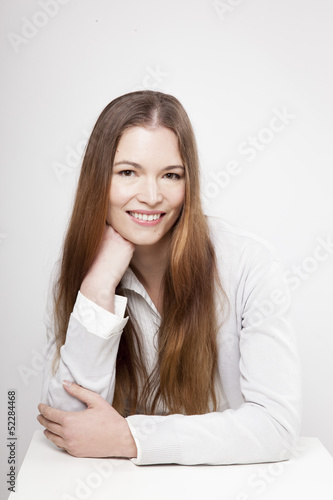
(256, 79)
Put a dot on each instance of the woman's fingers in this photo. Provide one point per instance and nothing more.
(52, 414)
(110, 263)
(55, 439)
(50, 426)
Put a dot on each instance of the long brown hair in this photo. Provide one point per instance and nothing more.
(183, 379)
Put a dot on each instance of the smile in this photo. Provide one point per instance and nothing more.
(145, 217)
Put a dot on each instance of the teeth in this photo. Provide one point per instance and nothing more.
(145, 216)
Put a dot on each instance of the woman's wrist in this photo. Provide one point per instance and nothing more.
(129, 446)
(102, 297)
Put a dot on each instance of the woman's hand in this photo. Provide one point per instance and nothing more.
(112, 260)
(98, 431)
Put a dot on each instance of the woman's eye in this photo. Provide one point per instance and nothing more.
(126, 173)
(172, 176)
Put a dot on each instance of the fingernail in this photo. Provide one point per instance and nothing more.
(66, 383)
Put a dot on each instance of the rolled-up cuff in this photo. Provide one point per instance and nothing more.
(97, 320)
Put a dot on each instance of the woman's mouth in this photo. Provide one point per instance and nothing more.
(141, 216)
(146, 218)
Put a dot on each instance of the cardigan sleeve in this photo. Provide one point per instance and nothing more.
(265, 427)
(88, 356)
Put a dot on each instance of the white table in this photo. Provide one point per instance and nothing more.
(48, 473)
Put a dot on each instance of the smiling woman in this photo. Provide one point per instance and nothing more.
(152, 193)
(157, 357)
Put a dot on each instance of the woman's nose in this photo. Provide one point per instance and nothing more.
(150, 192)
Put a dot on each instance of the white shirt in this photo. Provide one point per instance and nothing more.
(258, 379)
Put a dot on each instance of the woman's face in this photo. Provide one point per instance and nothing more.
(147, 186)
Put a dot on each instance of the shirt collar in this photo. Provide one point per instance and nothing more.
(130, 281)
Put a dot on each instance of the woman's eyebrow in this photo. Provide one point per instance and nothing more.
(125, 162)
(171, 167)
(137, 165)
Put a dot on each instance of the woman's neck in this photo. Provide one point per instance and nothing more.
(148, 263)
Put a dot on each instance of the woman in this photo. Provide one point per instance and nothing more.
(170, 330)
